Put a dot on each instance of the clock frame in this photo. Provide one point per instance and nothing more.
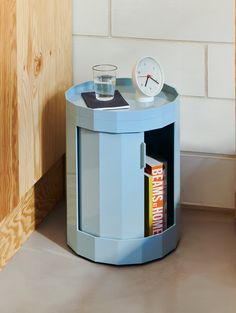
(148, 78)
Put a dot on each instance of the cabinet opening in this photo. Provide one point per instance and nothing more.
(160, 145)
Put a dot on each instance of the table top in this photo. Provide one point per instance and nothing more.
(125, 86)
(140, 116)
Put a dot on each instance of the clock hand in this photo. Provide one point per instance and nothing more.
(148, 76)
(154, 80)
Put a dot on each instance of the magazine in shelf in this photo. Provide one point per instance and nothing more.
(155, 196)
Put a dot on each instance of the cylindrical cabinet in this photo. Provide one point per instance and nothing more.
(106, 151)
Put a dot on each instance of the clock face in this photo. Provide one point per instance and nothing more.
(149, 76)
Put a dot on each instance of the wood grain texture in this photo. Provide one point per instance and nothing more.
(9, 187)
(33, 207)
(44, 70)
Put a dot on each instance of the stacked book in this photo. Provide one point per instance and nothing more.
(155, 196)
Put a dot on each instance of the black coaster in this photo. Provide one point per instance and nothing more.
(118, 102)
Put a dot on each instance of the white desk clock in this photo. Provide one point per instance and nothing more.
(148, 79)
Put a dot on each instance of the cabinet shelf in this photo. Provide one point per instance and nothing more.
(105, 175)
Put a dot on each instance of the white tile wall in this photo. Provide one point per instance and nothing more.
(221, 71)
(208, 125)
(198, 20)
(91, 17)
(183, 63)
(193, 40)
(208, 180)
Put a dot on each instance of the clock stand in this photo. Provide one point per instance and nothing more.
(105, 163)
(144, 99)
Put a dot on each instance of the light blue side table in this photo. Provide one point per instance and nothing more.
(105, 160)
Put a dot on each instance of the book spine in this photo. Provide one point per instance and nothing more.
(155, 199)
(148, 205)
(165, 194)
(158, 199)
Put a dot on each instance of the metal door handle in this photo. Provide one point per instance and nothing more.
(143, 155)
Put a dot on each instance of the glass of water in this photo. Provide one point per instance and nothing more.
(104, 77)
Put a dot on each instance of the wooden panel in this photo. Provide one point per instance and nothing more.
(44, 73)
(8, 109)
(33, 207)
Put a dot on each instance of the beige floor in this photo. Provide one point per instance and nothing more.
(199, 277)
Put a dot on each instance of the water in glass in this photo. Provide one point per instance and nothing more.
(104, 87)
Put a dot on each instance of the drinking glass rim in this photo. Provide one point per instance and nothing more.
(112, 67)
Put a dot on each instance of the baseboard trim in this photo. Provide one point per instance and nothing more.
(208, 180)
(16, 228)
(191, 206)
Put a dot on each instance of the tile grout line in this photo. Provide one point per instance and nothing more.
(110, 18)
(150, 39)
(208, 155)
(206, 71)
(206, 97)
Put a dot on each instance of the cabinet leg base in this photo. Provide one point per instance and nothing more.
(123, 252)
